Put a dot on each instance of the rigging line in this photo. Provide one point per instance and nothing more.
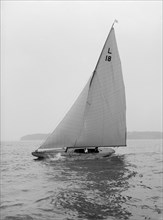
(84, 117)
(43, 141)
(92, 78)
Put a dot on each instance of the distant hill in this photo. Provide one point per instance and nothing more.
(130, 135)
(33, 137)
(144, 135)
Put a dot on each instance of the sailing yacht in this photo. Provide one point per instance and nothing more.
(97, 120)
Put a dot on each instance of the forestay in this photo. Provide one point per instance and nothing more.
(98, 117)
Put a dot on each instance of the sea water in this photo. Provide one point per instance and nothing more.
(126, 186)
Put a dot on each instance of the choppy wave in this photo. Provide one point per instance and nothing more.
(56, 157)
(127, 185)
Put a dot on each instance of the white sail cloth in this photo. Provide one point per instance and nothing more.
(98, 117)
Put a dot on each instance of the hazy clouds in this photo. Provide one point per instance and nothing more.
(50, 49)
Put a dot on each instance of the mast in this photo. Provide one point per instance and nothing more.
(115, 21)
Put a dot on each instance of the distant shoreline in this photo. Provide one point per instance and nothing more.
(130, 135)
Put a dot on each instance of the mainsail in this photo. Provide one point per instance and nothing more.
(98, 117)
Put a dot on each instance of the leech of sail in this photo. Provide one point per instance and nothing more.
(102, 51)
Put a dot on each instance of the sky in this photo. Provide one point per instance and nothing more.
(49, 50)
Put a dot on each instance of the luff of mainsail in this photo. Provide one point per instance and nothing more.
(98, 117)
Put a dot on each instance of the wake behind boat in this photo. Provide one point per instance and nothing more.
(97, 120)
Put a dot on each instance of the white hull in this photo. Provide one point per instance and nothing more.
(103, 152)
